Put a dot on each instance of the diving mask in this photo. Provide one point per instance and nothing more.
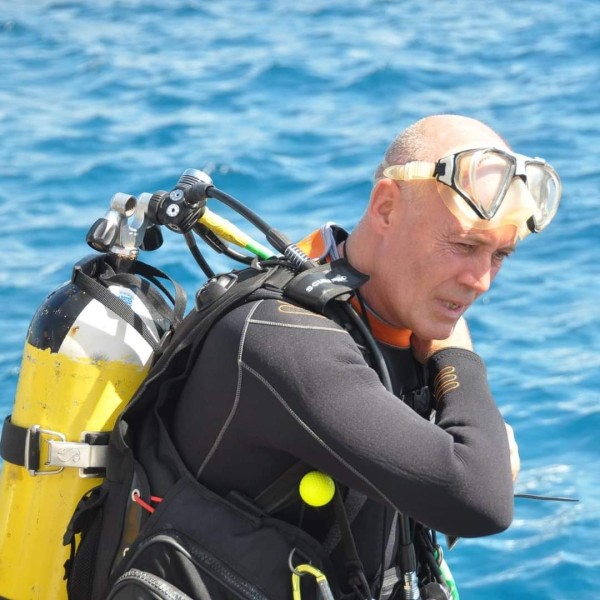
(486, 188)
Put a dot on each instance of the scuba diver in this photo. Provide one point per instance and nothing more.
(449, 203)
(307, 429)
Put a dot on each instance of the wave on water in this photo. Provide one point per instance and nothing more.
(289, 106)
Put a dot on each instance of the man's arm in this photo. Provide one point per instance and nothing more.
(461, 338)
(323, 404)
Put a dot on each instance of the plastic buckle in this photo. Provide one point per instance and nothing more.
(36, 431)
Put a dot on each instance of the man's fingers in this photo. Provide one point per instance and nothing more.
(515, 460)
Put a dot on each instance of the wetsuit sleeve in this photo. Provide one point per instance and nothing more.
(466, 411)
(301, 387)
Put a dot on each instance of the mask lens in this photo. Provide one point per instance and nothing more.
(483, 176)
(544, 187)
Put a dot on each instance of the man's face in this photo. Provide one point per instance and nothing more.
(430, 269)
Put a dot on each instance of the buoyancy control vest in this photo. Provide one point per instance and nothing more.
(151, 523)
(150, 529)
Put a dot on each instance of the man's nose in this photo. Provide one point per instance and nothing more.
(477, 275)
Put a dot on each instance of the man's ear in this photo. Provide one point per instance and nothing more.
(384, 202)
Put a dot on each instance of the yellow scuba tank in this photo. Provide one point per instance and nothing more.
(82, 363)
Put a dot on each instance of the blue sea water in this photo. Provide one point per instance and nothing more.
(290, 105)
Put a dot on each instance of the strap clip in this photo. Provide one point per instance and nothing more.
(322, 584)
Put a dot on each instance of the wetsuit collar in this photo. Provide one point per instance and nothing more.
(322, 245)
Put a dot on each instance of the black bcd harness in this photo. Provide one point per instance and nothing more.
(151, 530)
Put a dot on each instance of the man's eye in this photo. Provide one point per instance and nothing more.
(501, 255)
(463, 247)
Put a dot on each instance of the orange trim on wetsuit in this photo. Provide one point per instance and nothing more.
(383, 332)
(314, 246)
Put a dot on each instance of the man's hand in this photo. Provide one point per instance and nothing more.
(459, 338)
(515, 461)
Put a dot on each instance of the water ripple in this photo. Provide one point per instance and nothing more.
(289, 107)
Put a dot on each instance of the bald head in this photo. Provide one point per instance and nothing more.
(433, 137)
(417, 201)
(425, 267)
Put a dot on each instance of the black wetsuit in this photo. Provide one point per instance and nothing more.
(276, 383)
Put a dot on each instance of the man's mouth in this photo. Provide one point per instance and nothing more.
(452, 305)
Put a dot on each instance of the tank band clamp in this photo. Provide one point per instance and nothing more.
(79, 455)
(22, 446)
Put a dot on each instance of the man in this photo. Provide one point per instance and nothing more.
(286, 384)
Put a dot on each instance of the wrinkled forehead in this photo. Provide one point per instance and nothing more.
(498, 235)
(475, 145)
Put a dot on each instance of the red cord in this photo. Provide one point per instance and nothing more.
(135, 496)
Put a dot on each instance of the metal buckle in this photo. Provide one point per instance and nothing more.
(79, 455)
(36, 429)
(63, 454)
